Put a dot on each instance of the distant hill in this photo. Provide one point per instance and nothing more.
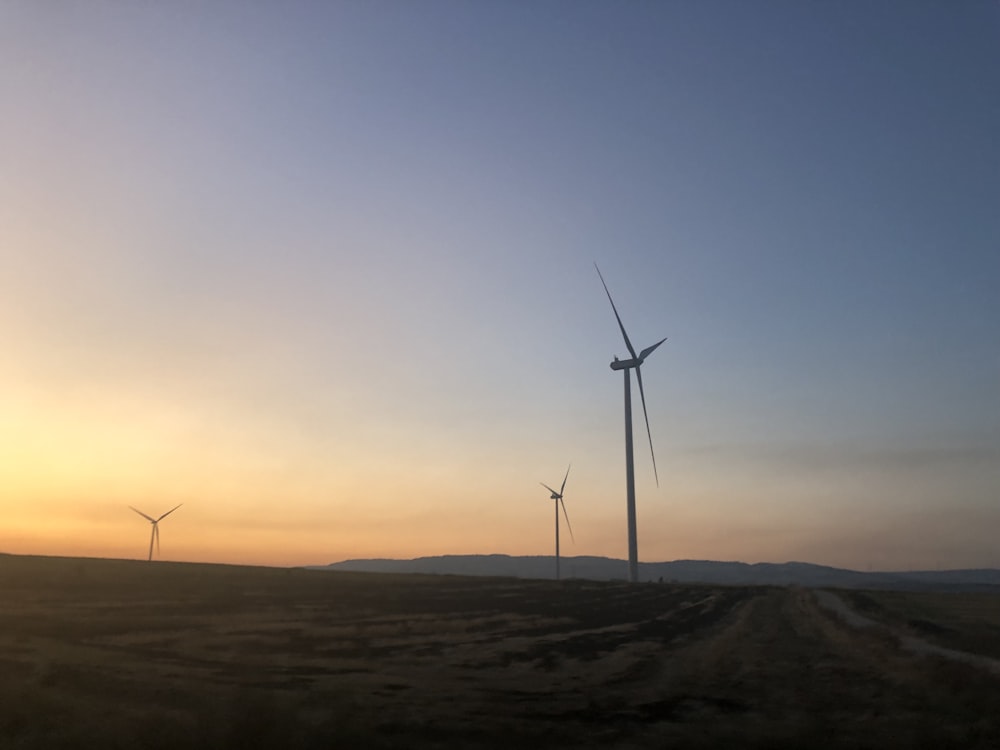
(682, 571)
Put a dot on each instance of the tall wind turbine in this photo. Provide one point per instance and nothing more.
(625, 365)
(558, 497)
(155, 534)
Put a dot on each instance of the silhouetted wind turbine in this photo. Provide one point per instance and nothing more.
(558, 497)
(632, 364)
(155, 534)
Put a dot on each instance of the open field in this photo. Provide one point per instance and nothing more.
(122, 654)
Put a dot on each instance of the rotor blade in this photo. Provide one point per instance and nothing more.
(564, 481)
(156, 533)
(142, 514)
(628, 343)
(169, 512)
(642, 395)
(548, 488)
(566, 516)
(649, 349)
(152, 535)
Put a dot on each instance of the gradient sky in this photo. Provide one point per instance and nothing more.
(324, 273)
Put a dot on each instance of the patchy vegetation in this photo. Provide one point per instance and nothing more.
(122, 654)
(962, 621)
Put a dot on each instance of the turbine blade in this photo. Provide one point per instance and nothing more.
(631, 349)
(548, 488)
(649, 349)
(564, 480)
(566, 516)
(156, 532)
(169, 512)
(642, 395)
(142, 514)
(152, 535)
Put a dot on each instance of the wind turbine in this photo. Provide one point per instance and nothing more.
(155, 534)
(558, 497)
(625, 365)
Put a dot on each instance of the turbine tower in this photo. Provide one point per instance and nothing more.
(625, 365)
(155, 534)
(558, 497)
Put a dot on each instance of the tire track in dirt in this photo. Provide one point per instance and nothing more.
(784, 671)
(835, 604)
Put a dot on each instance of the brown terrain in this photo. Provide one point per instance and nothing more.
(122, 654)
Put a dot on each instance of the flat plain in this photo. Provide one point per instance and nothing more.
(125, 654)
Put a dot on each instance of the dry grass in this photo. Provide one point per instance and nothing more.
(109, 654)
(962, 620)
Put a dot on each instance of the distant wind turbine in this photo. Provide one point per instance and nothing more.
(632, 364)
(155, 534)
(558, 497)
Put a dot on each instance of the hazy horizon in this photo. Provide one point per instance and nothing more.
(324, 273)
(567, 560)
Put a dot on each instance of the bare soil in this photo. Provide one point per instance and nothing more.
(101, 653)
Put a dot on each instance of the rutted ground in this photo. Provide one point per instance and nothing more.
(966, 621)
(834, 603)
(216, 656)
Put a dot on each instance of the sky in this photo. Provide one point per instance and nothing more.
(323, 272)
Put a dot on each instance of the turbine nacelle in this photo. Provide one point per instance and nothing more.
(555, 495)
(624, 364)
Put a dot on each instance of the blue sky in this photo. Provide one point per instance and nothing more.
(324, 273)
